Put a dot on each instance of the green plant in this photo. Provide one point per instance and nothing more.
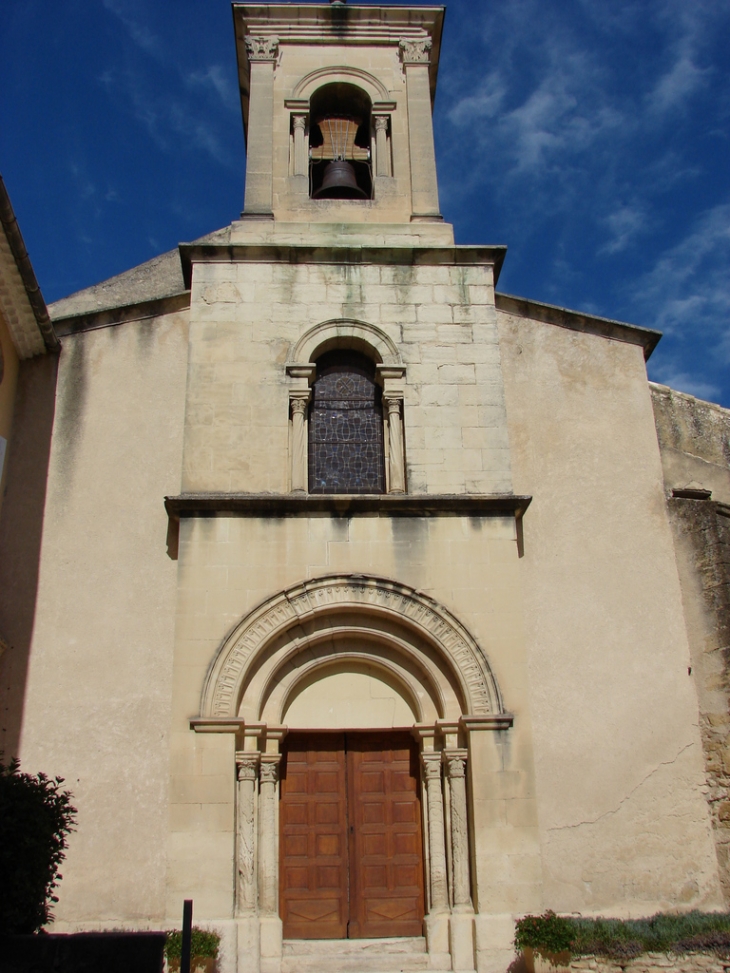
(35, 818)
(664, 932)
(202, 943)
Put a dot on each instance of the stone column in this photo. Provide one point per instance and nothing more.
(268, 864)
(382, 150)
(397, 479)
(247, 767)
(299, 123)
(455, 761)
(299, 402)
(259, 195)
(416, 56)
(436, 843)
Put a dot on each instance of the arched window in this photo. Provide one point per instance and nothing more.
(346, 452)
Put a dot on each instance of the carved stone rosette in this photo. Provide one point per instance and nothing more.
(416, 51)
(262, 48)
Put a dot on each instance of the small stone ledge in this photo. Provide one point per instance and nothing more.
(340, 505)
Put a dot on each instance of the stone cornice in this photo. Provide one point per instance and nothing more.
(297, 254)
(578, 321)
(326, 24)
(340, 505)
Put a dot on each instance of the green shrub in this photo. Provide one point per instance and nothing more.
(202, 943)
(35, 818)
(662, 933)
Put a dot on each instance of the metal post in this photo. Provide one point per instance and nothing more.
(187, 933)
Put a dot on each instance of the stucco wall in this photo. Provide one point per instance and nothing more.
(97, 698)
(623, 821)
(229, 565)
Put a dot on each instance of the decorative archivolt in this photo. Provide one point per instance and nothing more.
(380, 622)
(307, 85)
(346, 333)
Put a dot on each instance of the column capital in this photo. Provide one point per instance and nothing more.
(299, 122)
(431, 762)
(416, 51)
(381, 123)
(247, 764)
(455, 762)
(299, 401)
(262, 48)
(392, 402)
(270, 763)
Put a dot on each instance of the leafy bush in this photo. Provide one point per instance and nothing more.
(662, 933)
(202, 943)
(35, 818)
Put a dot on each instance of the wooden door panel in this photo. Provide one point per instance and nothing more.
(313, 842)
(386, 866)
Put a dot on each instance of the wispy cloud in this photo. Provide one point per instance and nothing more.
(214, 78)
(624, 224)
(140, 33)
(689, 285)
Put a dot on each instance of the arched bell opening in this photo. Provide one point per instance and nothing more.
(340, 143)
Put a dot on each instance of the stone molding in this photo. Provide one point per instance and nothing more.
(370, 596)
(398, 256)
(347, 505)
(262, 48)
(307, 85)
(336, 332)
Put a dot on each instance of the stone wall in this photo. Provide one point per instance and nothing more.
(646, 963)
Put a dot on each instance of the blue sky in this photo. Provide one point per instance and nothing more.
(590, 136)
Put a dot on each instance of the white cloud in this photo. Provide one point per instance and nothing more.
(214, 78)
(624, 225)
(140, 34)
(682, 381)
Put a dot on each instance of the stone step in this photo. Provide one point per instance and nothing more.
(402, 955)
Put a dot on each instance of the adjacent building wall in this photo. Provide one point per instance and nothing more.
(623, 822)
(8, 382)
(97, 696)
(694, 438)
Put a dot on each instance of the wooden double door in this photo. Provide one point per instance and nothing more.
(350, 842)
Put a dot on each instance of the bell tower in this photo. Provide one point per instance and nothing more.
(337, 102)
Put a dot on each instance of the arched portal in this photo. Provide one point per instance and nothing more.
(353, 699)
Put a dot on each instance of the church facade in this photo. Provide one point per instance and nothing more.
(372, 608)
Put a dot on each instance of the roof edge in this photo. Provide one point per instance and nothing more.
(25, 269)
(564, 317)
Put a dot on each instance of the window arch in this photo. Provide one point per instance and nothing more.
(346, 444)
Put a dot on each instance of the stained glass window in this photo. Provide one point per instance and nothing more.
(346, 427)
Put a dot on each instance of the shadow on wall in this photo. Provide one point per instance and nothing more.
(21, 530)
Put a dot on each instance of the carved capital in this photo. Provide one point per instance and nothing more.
(299, 122)
(381, 123)
(270, 768)
(247, 765)
(299, 403)
(416, 51)
(262, 48)
(431, 765)
(392, 404)
(455, 761)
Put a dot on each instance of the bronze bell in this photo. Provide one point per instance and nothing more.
(339, 182)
